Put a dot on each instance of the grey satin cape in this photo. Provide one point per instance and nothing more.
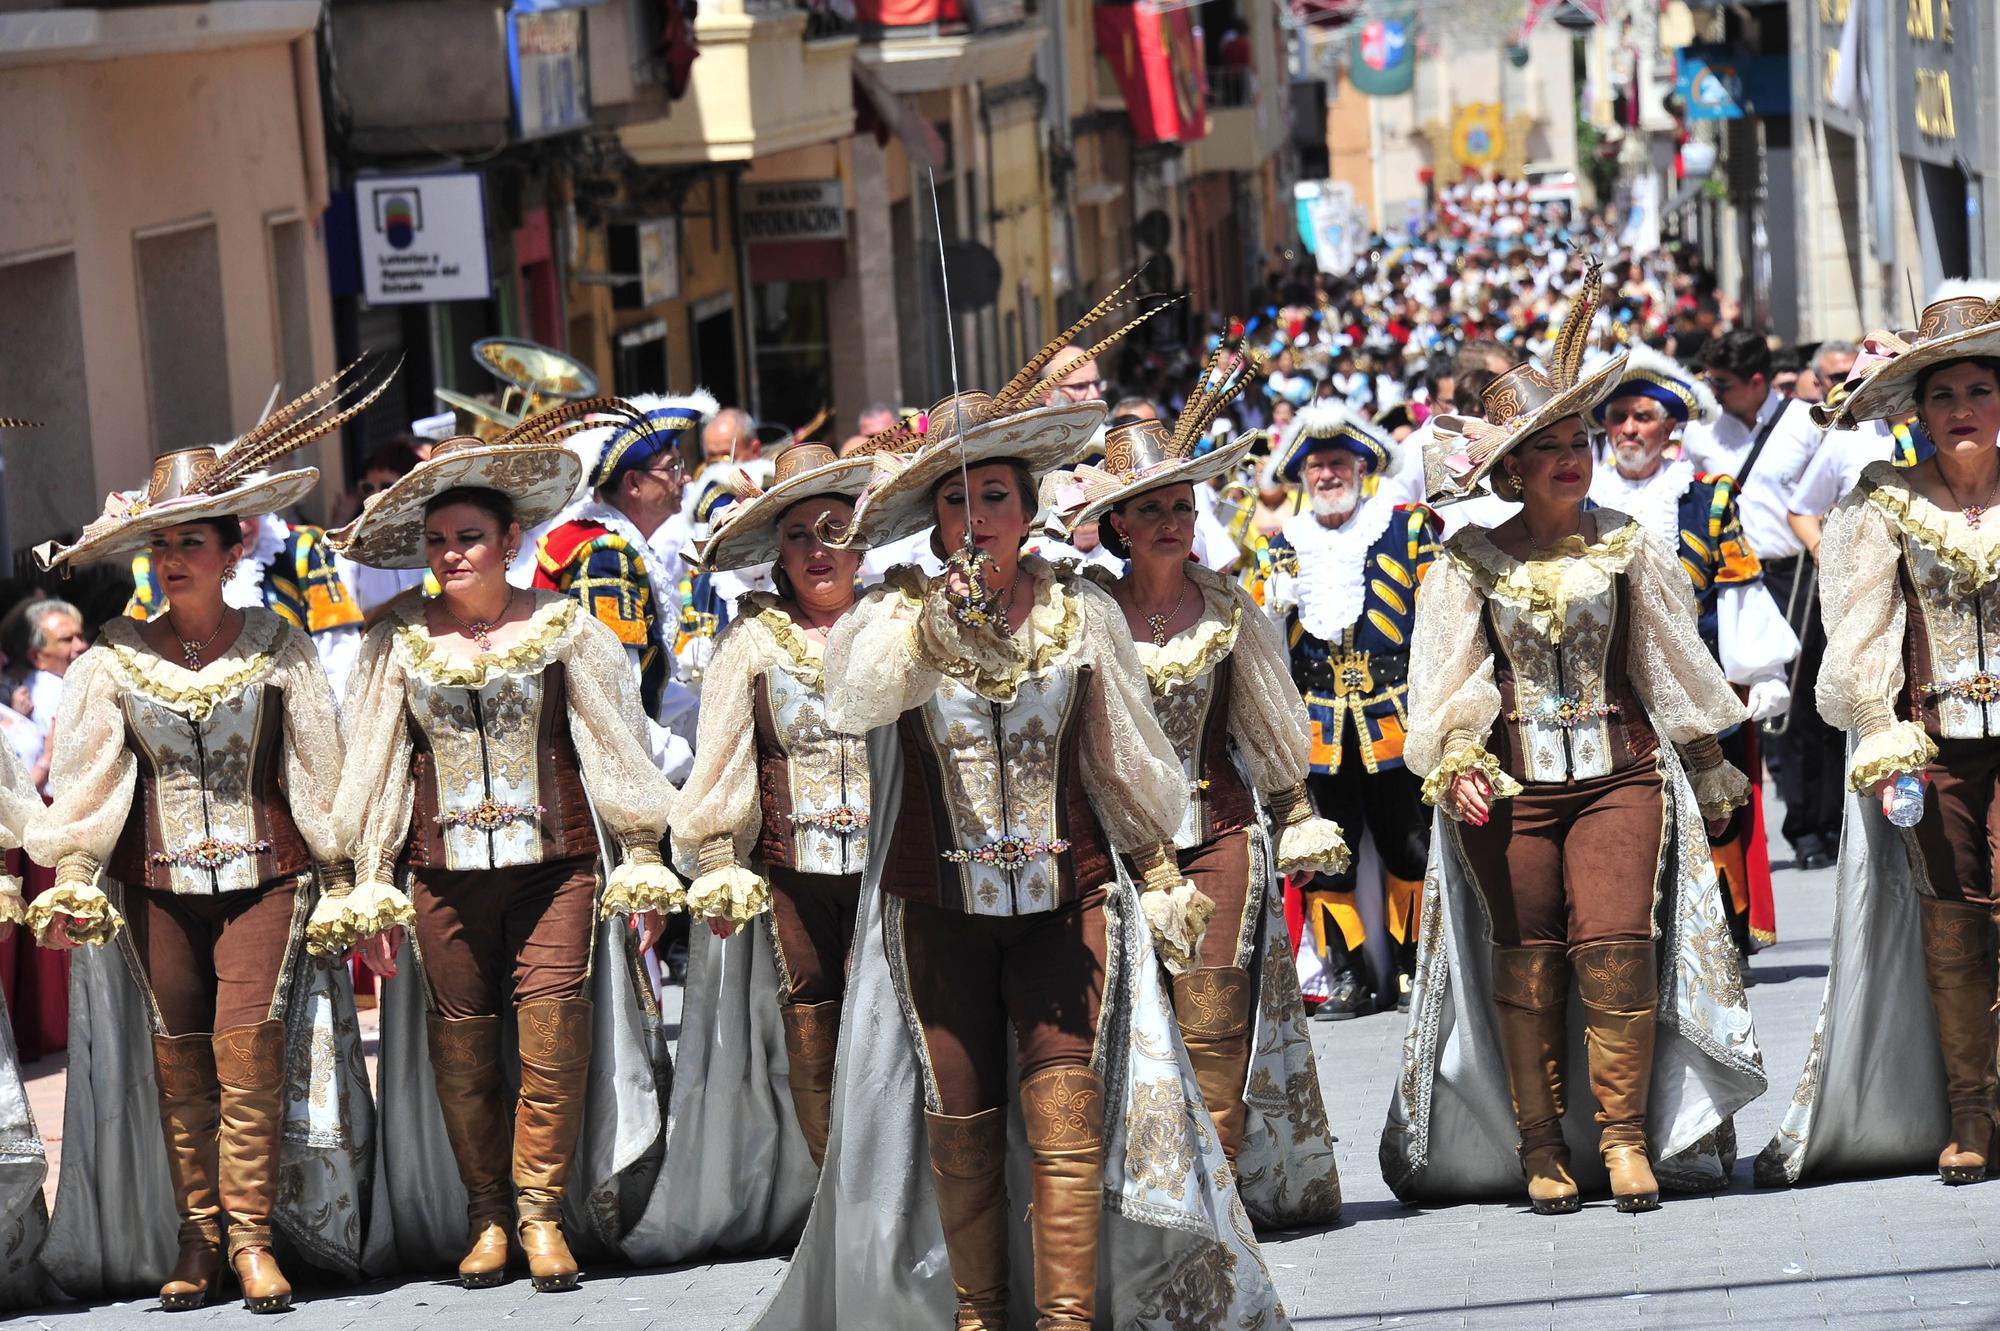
(1451, 1134)
(114, 1227)
(1177, 1248)
(1871, 1099)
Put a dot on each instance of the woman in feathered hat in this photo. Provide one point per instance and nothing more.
(494, 730)
(1911, 600)
(193, 777)
(1013, 753)
(1563, 717)
(1223, 690)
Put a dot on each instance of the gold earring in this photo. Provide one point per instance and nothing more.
(228, 573)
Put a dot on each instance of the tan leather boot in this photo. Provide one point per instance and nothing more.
(969, 1167)
(465, 1058)
(812, 1031)
(1619, 985)
(184, 1068)
(554, 1038)
(1064, 1109)
(1531, 997)
(250, 1069)
(1213, 1005)
(1960, 973)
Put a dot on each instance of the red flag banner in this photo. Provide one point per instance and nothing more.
(1158, 64)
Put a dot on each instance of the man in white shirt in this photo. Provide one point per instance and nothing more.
(55, 639)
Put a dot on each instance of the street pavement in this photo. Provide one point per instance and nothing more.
(1873, 1255)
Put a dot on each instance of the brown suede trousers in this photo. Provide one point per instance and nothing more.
(1565, 864)
(1960, 831)
(213, 961)
(1220, 868)
(970, 975)
(812, 915)
(491, 937)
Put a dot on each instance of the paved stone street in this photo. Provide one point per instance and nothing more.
(1888, 1254)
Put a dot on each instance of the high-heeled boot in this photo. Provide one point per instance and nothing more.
(465, 1059)
(184, 1067)
(1064, 1110)
(969, 1167)
(554, 1039)
(250, 1069)
(1959, 970)
(1213, 1005)
(812, 1031)
(1619, 985)
(1531, 997)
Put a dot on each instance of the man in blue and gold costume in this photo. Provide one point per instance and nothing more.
(1344, 580)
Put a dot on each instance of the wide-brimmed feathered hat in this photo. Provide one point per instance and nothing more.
(1525, 401)
(747, 532)
(1656, 375)
(1147, 454)
(1961, 322)
(229, 480)
(1333, 424)
(532, 464)
(972, 428)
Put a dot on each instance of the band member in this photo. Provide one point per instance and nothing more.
(1695, 515)
(1346, 593)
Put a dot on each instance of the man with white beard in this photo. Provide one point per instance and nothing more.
(1344, 587)
(1695, 515)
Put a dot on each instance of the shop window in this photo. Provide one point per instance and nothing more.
(291, 305)
(50, 483)
(714, 325)
(181, 322)
(794, 360)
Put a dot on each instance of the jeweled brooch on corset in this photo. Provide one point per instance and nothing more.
(1981, 689)
(1007, 852)
(209, 853)
(1566, 713)
(487, 816)
(1197, 788)
(841, 820)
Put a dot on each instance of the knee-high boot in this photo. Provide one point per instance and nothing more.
(1064, 1109)
(465, 1059)
(184, 1066)
(1960, 974)
(1213, 1005)
(1619, 985)
(969, 1167)
(554, 1039)
(250, 1070)
(1531, 997)
(812, 1032)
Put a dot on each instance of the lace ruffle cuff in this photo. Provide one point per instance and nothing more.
(342, 919)
(1307, 843)
(1176, 911)
(1902, 747)
(92, 918)
(13, 907)
(732, 893)
(1720, 789)
(1459, 759)
(636, 887)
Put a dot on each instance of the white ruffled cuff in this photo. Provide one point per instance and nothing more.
(1312, 846)
(733, 893)
(13, 908)
(342, 919)
(1900, 747)
(1177, 917)
(634, 889)
(1458, 761)
(92, 917)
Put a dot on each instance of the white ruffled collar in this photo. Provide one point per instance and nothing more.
(1654, 502)
(1332, 580)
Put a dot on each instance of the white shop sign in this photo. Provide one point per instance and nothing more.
(423, 238)
(794, 210)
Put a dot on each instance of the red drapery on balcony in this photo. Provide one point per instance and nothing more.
(1159, 67)
(908, 13)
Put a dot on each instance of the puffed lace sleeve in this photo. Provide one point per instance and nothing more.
(1453, 699)
(875, 670)
(1685, 695)
(1267, 719)
(632, 798)
(371, 803)
(91, 778)
(720, 813)
(18, 804)
(1865, 616)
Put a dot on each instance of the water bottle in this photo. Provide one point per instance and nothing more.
(1905, 802)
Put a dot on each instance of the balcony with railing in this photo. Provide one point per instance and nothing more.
(916, 46)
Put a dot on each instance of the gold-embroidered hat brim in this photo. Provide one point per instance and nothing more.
(108, 538)
(1891, 391)
(540, 479)
(1590, 389)
(1218, 461)
(748, 532)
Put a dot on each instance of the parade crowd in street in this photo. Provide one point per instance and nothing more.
(1008, 784)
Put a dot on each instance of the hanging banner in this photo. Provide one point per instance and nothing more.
(1384, 59)
(1160, 69)
(1478, 134)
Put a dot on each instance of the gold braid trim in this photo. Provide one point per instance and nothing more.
(1192, 655)
(1544, 586)
(194, 694)
(553, 625)
(1972, 555)
(764, 608)
(989, 662)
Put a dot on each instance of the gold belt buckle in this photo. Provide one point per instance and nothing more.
(1352, 675)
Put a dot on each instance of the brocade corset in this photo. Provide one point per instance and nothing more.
(208, 812)
(1951, 649)
(812, 782)
(1568, 711)
(1009, 829)
(1194, 712)
(495, 773)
